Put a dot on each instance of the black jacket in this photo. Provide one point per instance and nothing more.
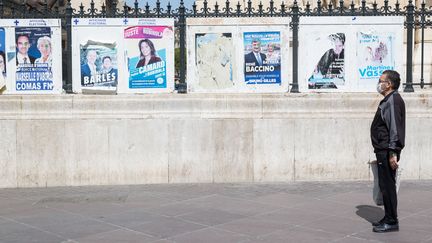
(388, 125)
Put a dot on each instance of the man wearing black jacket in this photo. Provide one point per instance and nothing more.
(388, 139)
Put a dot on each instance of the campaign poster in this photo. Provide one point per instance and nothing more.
(2, 59)
(214, 60)
(33, 59)
(98, 65)
(375, 54)
(329, 71)
(146, 53)
(262, 57)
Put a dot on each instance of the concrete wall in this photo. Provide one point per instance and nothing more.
(133, 139)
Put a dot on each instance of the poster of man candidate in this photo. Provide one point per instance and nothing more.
(375, 54)
(328, 72)
(98, 65)
(33, 59)
(146, 51)
(262, 57)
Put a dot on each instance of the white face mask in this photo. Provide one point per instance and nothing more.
(379, 88)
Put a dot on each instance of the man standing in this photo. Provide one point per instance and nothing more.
(388, 139)
(23, 46)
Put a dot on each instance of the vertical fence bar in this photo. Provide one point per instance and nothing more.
(422, 26)
(67, 86)
(182, 86)
(409, 61)
(294, 25)
(1, 9)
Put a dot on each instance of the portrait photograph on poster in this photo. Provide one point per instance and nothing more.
(33, 59)
(214, 60)
(328, 72)
(262, 57)
(98, 66)
(375, 54)
(146, 53)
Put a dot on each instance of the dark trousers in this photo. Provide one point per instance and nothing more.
(387, 184)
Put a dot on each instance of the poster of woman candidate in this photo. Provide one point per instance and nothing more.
(146, 52)
(328, 72)
(262, 57)
(33, 59)
(98, 66)
(375, 54)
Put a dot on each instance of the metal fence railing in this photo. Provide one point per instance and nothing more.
(417, 18)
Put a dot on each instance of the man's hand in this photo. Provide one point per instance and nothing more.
(393, 161)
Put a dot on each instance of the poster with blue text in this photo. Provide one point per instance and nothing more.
(33, 59)
(375, 54)
(262, 57)
(98, 65)
(146, 52)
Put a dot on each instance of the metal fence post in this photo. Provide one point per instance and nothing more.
(1, 8)
(409, 62)
(294, 25)
(67, 86)
(182, 86)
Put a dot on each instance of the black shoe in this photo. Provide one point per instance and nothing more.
(378, 222)
(384, 227)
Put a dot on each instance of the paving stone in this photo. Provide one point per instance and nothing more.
(80, 229)
(299, 235)
(30, 235)
(211, 216)
(251, 227)
(118, 236)
(210, 235)
(167, 227)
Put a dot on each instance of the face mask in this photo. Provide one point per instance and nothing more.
(379, 88)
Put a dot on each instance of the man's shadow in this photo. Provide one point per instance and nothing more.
(370, 213)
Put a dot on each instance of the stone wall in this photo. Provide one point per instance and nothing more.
(73, 140)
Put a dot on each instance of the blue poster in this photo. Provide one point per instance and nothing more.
(262, 57)
(2, 59)
(147, 55)
(33, 59)
(99, 65)
(375, 53)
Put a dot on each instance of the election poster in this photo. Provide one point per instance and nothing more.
(129, 55)
(2, 59)
(30, 56)
(146, 52)
(214, 60)
(238, 55)
(328, 71)
(98, 65)
(348, 54)
(262, 57)
(33, 58)
(375, 54)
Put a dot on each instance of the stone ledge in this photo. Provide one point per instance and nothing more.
(205, 106)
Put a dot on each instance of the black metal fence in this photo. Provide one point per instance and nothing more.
(417, 18)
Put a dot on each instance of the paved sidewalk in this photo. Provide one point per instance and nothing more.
(292, 212)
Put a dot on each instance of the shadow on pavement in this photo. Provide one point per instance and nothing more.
(370, 213)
